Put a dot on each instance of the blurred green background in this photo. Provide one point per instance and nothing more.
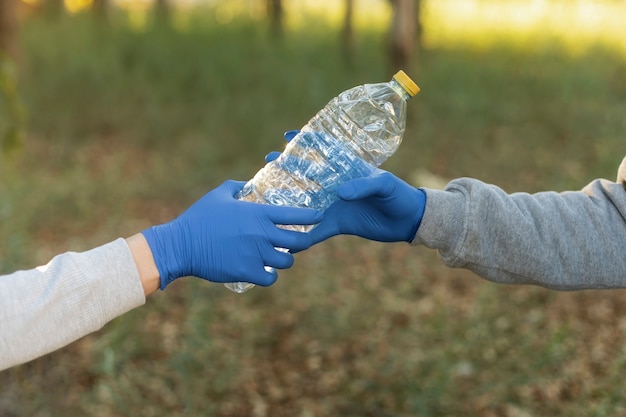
(117, 115)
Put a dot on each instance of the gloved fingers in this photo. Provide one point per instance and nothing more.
(263, 277)
(290, 134)
(293, 240)
(380, 184)
(272, 156)
(266, 278)
(231, 186)
(292, 215)
(277, 258)
(330, 227)
(251, 268)
(322, 233)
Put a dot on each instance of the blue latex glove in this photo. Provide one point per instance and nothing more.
(379, 207)
(222, 239)
(290, 134)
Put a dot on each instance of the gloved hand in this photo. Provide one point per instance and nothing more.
(222, 239)
(380, 207)
(288, 135)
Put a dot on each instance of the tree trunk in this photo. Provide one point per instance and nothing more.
(347, 34)
(100, 9)
(275, 13)
(404, 33)
(162, 11)
(8, 29)
(11, 114)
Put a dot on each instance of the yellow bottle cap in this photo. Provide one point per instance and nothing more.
(407, 83)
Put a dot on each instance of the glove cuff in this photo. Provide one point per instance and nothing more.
(161, 252)
(421, 205)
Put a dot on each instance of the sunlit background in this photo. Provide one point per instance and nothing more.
(478, 22)
(116, 115)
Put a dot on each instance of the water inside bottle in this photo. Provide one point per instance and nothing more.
(349, 138)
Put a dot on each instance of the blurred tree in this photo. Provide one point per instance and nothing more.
(11, 112)
(347, 33)
(162, 11)
(404, 32)
(10, 107)
(275, 12)
(100, 9)
(8, 28)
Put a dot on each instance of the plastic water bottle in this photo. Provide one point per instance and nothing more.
(349, 138)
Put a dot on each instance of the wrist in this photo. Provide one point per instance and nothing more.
(144, 259)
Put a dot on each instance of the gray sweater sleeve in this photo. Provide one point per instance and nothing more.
(75, 294)
(565, 241)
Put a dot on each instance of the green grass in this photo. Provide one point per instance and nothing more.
(126, 127)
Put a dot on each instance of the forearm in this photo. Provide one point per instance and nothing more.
(75, 294)
(566, 241)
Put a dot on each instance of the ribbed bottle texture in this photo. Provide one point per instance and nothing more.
(351, 136)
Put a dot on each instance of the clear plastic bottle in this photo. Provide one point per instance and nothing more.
(351, 136)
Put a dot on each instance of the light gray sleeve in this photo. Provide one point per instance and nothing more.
(48, 307)
(565, 241)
